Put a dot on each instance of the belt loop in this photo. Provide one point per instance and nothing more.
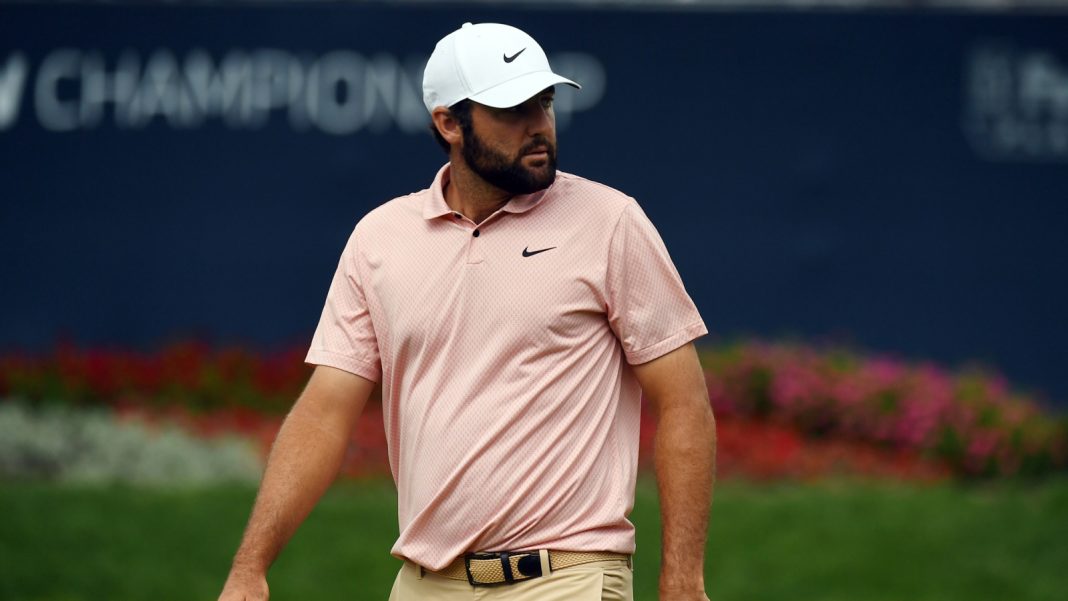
(422, 572)
(630, 562)
(546, 565)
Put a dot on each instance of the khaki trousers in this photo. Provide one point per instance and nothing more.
(596, 581)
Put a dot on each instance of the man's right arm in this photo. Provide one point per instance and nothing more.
(304, 461)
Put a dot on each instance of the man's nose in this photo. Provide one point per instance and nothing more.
(539, 119)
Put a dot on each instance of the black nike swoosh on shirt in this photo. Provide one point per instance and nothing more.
(509, 59)
(531, 253)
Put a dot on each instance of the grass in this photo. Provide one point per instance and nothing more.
(830, 541)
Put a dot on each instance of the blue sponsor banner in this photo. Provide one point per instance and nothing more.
(897, 181)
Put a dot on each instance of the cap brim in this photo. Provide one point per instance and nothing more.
(519, 90)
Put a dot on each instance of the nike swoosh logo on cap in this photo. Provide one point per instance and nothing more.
(509, 59)
(531, 253)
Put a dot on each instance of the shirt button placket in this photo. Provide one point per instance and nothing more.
(474, 247)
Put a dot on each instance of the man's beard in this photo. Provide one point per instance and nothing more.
(510, 176)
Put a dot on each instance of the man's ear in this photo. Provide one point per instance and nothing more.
(447, 125)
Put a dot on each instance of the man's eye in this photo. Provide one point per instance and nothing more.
(547, 101)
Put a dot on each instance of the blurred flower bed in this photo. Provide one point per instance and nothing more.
(782, 410)
(971, 422)
(87, 445)
(187, 374)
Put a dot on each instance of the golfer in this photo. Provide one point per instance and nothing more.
(514, 315)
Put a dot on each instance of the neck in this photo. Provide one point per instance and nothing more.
(471, 195)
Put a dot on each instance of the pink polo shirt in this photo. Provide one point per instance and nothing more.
(503, 349)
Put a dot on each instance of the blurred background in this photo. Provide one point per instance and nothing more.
(866, 200)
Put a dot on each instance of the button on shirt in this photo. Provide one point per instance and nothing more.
(503, 349)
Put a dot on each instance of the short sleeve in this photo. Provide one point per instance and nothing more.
(647, 304)
(345, 337)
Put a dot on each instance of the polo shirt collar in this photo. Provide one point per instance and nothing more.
(435, 206)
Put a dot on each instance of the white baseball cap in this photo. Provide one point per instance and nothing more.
(492, 64)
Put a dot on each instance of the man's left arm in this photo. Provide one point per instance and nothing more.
(685, 462)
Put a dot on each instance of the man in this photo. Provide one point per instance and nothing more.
(513, 315)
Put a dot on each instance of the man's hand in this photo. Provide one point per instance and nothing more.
(680, 595)
(245, 585)
(685, 459)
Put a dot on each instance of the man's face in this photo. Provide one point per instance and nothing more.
(513, 149)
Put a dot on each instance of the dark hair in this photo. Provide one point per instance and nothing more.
(461, 111)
